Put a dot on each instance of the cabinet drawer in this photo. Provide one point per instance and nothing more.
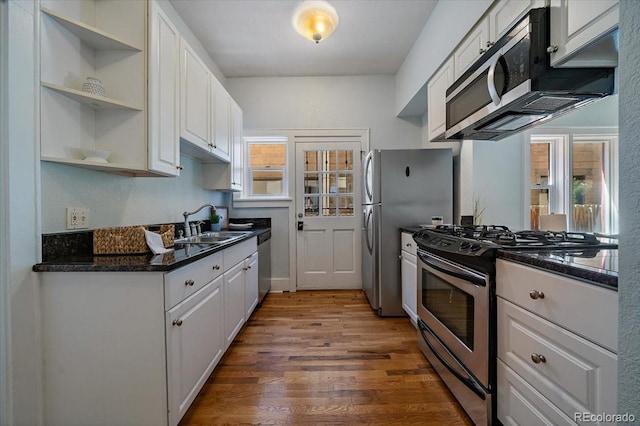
(408, 243)
(520, 404)
(185, 281)
(577, 375)
(585, 309)
(239, 252)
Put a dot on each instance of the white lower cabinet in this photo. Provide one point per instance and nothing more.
(195, 344)
(251, 284)
(233, 302)
(409, 276)
(241, 294)
(135, 348)
(555, 358)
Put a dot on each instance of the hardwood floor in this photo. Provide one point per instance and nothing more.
(324, 357)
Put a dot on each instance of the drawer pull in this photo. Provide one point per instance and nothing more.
(408, 244)
(535, 294)
(537, 358)
(216, 267)
(177, 322)
(249, 267)
(189, 283)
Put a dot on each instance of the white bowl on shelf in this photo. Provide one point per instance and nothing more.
(96, 155)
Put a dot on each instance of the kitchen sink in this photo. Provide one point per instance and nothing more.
(213, 237)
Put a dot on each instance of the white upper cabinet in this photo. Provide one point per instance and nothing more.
(164, 93)
(104, 40)
(497, 21)
(237, 169)
(471, 48)
(436, 96)
(228, 177)
(221, 131)
(578, 33)
(194, 107)
(205, 121)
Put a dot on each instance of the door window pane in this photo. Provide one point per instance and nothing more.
(311, 161)
(345, 183)
(345, 207)
(311, 183)
(311, 204)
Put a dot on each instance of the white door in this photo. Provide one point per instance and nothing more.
(328, 201)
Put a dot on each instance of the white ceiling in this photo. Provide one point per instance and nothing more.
(254, 38)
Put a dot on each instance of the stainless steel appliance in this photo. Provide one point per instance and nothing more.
(457, 303)
(264, 264)
(513, 86)
(401, 188)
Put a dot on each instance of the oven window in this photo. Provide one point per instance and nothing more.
(451, 306)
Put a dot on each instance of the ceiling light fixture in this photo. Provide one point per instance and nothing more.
(315, 20)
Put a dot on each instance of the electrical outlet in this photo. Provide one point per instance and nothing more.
(77, 218)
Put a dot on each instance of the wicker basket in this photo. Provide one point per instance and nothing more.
(128, 239)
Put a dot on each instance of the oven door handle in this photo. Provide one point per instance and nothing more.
(468, 381)
(449, 270)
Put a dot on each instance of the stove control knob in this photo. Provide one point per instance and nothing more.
(465, 245)
(475, 247)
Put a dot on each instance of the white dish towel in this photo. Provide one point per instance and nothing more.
(154, 241)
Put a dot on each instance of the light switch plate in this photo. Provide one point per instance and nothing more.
(77, 218)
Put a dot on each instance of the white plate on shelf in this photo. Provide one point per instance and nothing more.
(240, 225)
(96, 155)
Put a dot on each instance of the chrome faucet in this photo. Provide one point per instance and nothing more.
(187, 229)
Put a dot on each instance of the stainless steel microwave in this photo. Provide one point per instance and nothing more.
(513, 86)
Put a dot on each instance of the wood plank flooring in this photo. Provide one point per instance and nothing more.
(324, 358)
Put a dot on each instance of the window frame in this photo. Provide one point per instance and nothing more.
(247, 190)
(561, 168)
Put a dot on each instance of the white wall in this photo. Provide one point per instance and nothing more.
(325, 102)
(193, 41)
(115, 200)
(628, 289)
(497, 181)
(20, 204)
(446, 27)
(353, 102)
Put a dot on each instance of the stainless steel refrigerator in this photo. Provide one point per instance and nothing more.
(401, 188)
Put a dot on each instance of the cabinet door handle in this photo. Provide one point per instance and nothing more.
(490, 43)
(535, 294)
(537, 358)
(249, 267)
(481, 51)
(189, 283)
(216, 267)
(179, 167)
(177, 322)
(408, 244)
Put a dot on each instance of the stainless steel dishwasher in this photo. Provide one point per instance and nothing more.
(264, 264)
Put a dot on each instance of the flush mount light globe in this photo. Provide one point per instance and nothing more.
(315, 20)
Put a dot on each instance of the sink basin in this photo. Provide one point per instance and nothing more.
(212, 237)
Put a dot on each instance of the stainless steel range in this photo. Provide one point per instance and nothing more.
(457, 303)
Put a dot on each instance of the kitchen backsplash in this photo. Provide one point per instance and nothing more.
(70, 244)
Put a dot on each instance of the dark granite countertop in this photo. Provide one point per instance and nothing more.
(411, 229)
(595, 266)
(143, 262)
